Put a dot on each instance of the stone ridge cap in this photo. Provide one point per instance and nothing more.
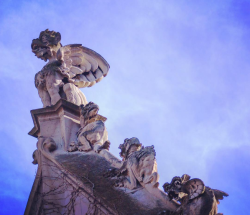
(61, 103)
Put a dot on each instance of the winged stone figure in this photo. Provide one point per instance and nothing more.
(69, 68)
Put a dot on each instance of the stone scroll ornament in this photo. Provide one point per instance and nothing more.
(92, 134)
(69, 68)
(194, 196)
(139, 166)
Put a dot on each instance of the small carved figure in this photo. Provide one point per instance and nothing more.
(69, 68)
(73, 147)
(49, 144)
(93, 133)
(194, 196)
(139, 165)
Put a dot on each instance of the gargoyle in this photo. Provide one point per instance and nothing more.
(194, 196)
(93, 133)
(69, 68)
(139, 166)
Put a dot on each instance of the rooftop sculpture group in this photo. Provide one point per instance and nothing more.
(73, 143)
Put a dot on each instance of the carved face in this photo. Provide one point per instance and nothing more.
(90, 110)
(42, 52)
(129, 144)
(183, 186)
(174, 188)
(43, 46)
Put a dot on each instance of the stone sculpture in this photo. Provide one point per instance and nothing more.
(93, 134)
(139, 165)
(194, 196)
(69, 68)
(73, 149)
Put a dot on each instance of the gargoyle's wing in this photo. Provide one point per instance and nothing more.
(219, 195)
(193, 188)
(84, 66)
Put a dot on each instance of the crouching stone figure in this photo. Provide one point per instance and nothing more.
(139, 166)
(93, 134)
(194, 196)
(69, 68)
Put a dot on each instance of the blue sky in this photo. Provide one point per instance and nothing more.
(179, 80)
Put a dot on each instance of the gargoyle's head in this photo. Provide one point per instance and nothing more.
(90, 110)
(182, 186)
(128, 144)
(47, 43)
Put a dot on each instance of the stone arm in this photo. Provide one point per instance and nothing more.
(45, 97)
(98, 128)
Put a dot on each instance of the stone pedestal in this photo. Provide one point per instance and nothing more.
(60, 122)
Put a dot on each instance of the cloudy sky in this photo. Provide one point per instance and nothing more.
(179, 80)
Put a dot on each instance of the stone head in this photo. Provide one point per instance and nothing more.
(183, 186)
(90, 110)
(128, 145)
(47, 42)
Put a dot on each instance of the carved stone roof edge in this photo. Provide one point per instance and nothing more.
(61, 103)
(33, 191)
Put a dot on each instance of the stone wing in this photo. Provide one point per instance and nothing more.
(84, 66)
(219, 195)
